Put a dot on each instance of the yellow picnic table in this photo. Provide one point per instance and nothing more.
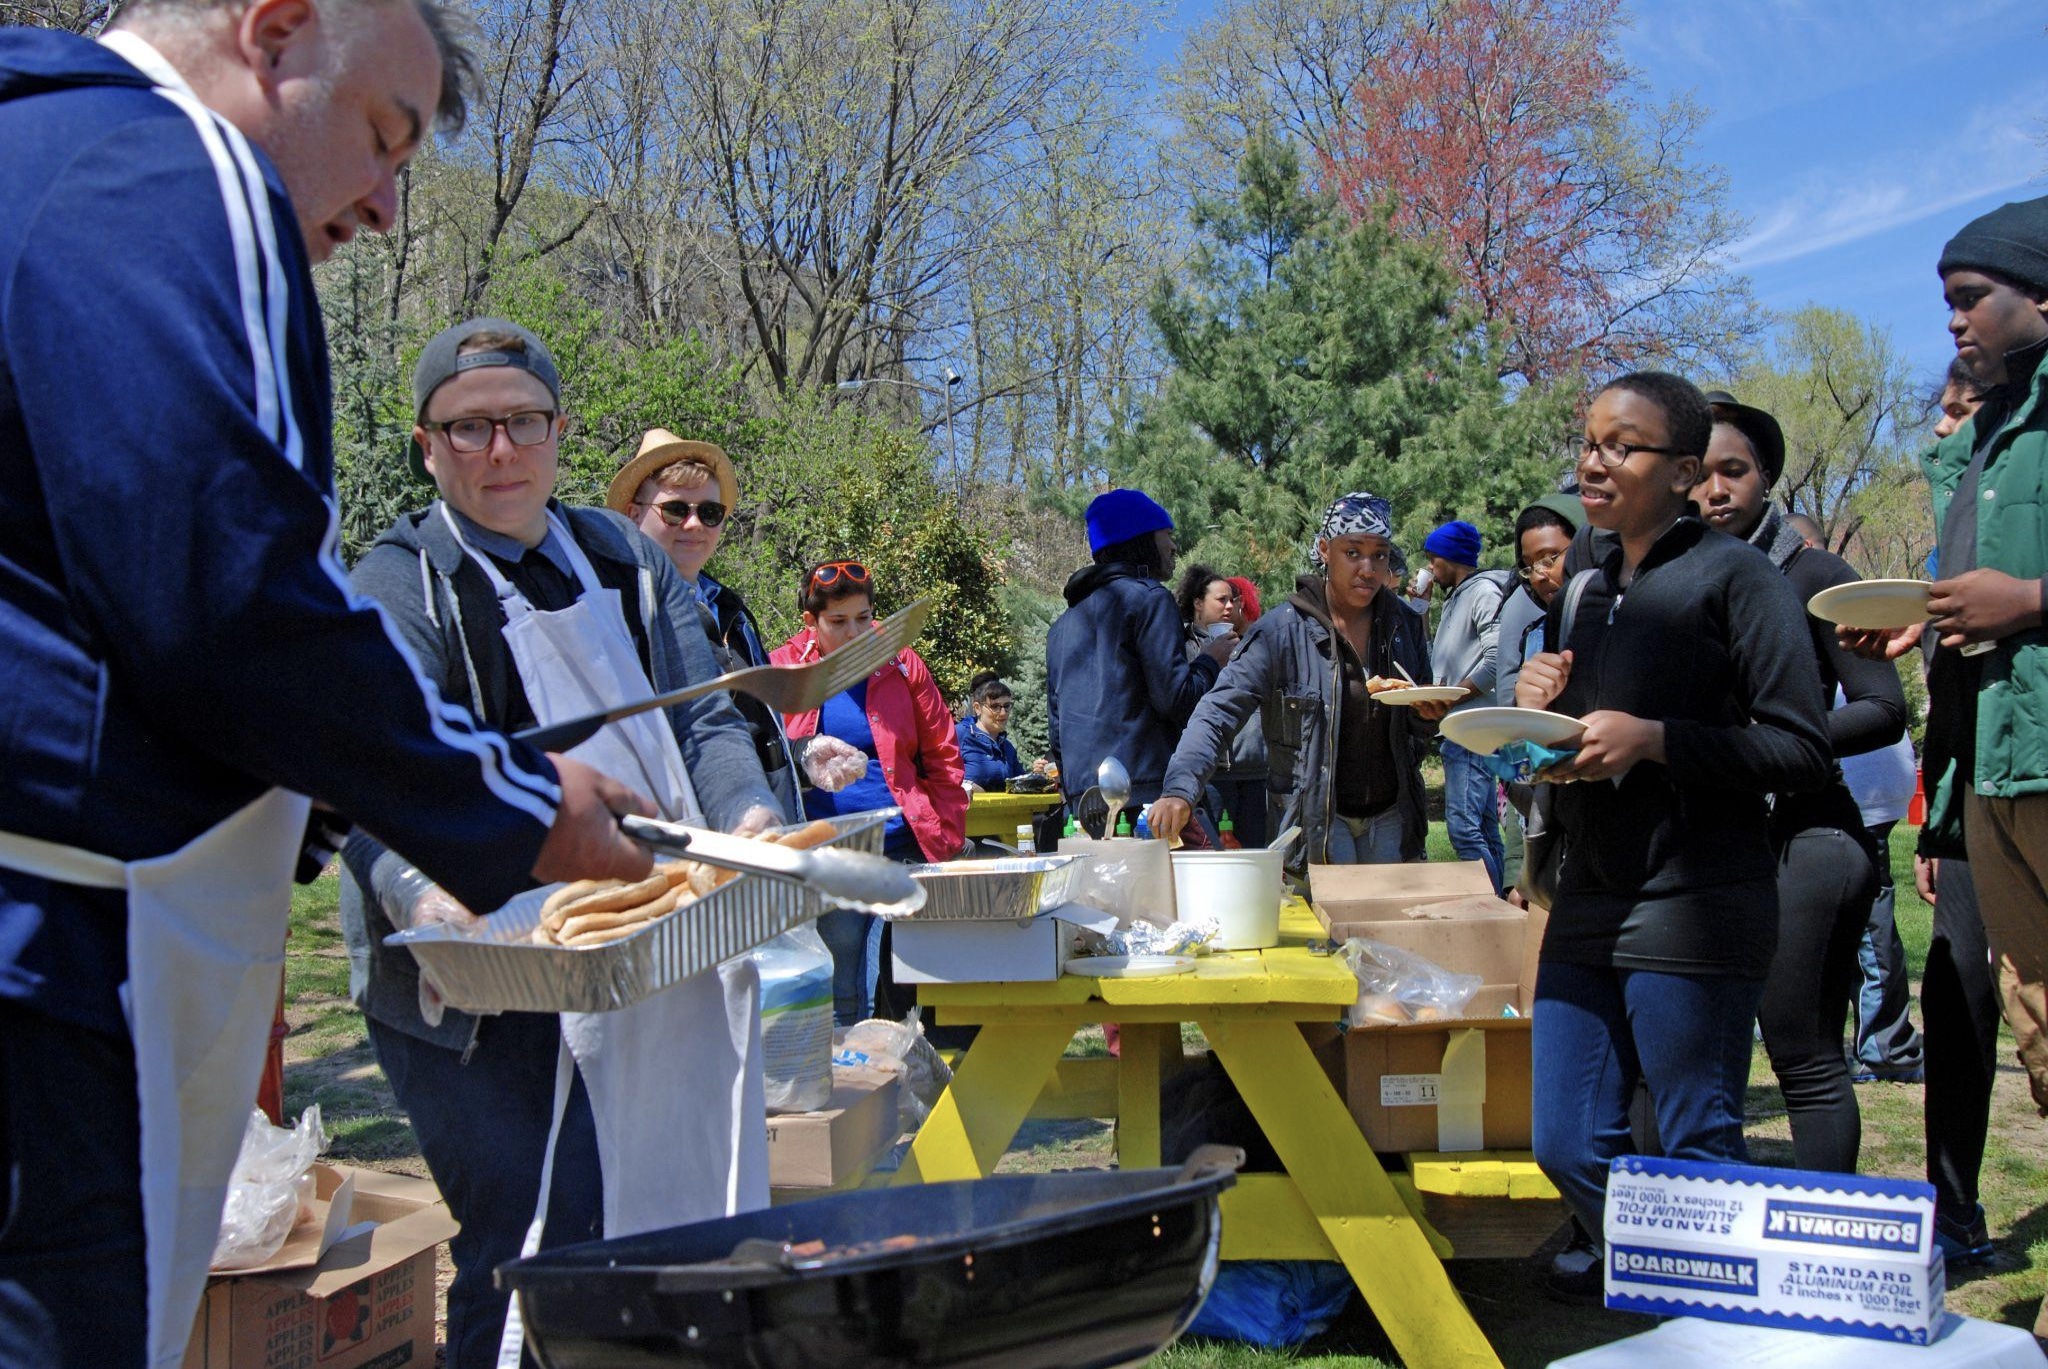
(1334, 1201)
(990, 814)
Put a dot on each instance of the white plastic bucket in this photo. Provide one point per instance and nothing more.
(1240, 889)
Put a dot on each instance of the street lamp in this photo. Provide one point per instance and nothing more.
(945, 395)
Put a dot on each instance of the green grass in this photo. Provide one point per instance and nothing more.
(330, 1062)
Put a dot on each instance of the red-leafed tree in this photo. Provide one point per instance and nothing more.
(1511, 133)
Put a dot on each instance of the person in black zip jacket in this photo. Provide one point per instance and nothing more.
(1827, 864)
(1689, 663)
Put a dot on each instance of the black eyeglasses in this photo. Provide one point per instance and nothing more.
(997, 705)
(676, 512)
(527, 428)
(1539, 565)
(1614, 454)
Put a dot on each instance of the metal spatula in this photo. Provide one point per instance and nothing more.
(851, 879)
(784, 688)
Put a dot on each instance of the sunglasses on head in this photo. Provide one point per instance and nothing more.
(676, 512)
(832, 572)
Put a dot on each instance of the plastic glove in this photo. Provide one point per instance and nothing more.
(437, 905)
(756, 820)
(833, 764)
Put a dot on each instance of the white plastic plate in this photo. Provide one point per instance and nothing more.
(1486, 730)
(1420, 694)
(1129, 966)
(1872, 603)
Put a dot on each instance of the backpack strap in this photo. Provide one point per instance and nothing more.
(1573, 593)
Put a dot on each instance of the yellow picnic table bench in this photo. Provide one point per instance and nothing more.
(990, 814)
(1335, 1200)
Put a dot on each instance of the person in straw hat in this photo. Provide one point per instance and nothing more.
(680, 492)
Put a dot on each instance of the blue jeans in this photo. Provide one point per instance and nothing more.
(1472, 810)
(1365, 841)
(483, 1130)
(855, 940)
(1885, 1036)
(1597, 1031)
(72, 1284)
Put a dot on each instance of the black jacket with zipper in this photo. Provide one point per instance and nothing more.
(1672, 868)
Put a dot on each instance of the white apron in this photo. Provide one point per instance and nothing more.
(674, 1081)
(206, 935)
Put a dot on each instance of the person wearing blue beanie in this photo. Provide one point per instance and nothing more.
(1121, 515)
(1118, 679)
(1463, 654)
(1456, 542)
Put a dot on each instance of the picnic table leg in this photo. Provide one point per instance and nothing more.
(1354, 1202)
(992, 1091)
(1137, 1090)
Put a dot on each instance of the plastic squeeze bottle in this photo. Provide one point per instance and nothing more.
(1123, 824)
(1226, 833)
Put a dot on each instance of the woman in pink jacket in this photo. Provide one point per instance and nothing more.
(896, 718)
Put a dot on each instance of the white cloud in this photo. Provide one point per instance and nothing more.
(1995, 152)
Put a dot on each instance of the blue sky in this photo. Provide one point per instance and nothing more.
(1857, 135)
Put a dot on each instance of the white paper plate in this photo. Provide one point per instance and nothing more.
(1129, 966)
(1872, 603)
(1420, 694)
(1486, 730)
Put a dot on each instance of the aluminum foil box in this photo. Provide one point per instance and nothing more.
(1834, 1253)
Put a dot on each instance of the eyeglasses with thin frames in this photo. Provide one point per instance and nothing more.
(1614, 454)
(527, 428)
(1539, 565)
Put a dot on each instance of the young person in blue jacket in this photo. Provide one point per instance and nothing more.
(987, 752)
(1119, 682)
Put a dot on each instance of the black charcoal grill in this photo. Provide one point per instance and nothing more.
(1080, 1270)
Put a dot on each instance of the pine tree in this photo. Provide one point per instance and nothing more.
(1314, 354)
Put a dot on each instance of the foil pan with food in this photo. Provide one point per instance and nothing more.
(603, 945)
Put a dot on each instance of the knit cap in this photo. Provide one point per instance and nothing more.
(2010, 241)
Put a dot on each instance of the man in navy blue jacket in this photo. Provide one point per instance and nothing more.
(1118, 679)
(181, 657)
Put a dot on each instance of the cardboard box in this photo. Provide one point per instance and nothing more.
(1835, 1253)
(1444, 911)
(1444, 1088)
(367, 1304)
(840, 1143)
(1033, 950)
(1439, 1086)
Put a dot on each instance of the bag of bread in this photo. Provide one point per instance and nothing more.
(1396, 986)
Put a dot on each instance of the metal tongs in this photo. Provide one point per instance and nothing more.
(784, 688)
(847, 879)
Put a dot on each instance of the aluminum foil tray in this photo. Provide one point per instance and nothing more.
(499, 968)
(1010, 889)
